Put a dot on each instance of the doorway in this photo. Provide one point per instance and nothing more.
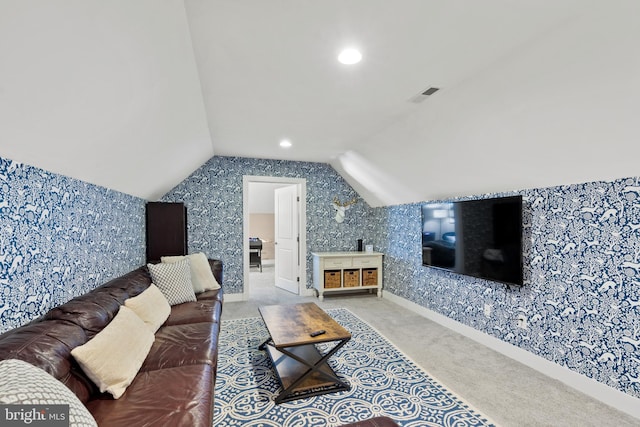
(275, 208)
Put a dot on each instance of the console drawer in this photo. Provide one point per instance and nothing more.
(365, 261)
(337, 263)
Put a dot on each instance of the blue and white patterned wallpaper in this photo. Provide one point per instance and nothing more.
(581, 259)
(59, 238)
(582, 279)
(213, 196)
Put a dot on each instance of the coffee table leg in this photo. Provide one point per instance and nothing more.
(339, 384)
(264, 344)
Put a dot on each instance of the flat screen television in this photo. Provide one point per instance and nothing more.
(479, 238)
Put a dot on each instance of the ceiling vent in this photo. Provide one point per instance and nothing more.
(424, 95)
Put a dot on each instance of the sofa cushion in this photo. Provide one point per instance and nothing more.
(95, 309)
(129, 285)
(150, 306)
(217, 295)
(195, 312)
(113, 357)
(202, 277)
(181, 396)
(92, 311)
(23, 383)
(181, 345)
(138, 277)
(47, 345)
(173, 280)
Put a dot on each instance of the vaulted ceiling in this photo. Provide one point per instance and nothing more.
(134, 95)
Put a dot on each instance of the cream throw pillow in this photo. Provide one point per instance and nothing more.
(202, 277)
(151, 306)
(112, 358)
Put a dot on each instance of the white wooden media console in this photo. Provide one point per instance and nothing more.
(347, 271)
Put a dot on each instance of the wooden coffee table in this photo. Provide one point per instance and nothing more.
(302, 369)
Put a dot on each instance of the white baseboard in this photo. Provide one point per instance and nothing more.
(306, 292)
(584, 384)
(234, 297)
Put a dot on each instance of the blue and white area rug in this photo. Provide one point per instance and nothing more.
(383, 381)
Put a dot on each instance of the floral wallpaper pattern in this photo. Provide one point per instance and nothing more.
(59, 238)
(213, 196)
(581, 295)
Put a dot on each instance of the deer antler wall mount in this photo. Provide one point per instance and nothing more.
(341, 208)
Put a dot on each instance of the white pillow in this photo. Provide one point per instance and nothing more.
(174, 281)
(113, 357)
(202, 277)
(22, 383)
(151, 306)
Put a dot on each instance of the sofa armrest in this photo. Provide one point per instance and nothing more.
(216, 268)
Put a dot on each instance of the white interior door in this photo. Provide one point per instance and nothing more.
(287, 235)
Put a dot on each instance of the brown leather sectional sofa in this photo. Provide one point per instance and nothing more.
(174, 386)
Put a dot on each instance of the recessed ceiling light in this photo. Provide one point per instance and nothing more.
(350, 56)
(285, 143)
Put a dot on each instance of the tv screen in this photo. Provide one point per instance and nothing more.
(479, 238)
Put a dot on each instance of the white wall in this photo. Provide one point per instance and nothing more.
(560, 109)
(262, 225)
(262, 197)
(104, 91)
(262, 214)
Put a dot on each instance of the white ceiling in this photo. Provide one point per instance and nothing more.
(102, 91)
(269, 70)
(134, 95)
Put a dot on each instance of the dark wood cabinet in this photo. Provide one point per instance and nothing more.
(166, 230)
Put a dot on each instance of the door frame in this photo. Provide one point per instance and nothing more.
(302, 225)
